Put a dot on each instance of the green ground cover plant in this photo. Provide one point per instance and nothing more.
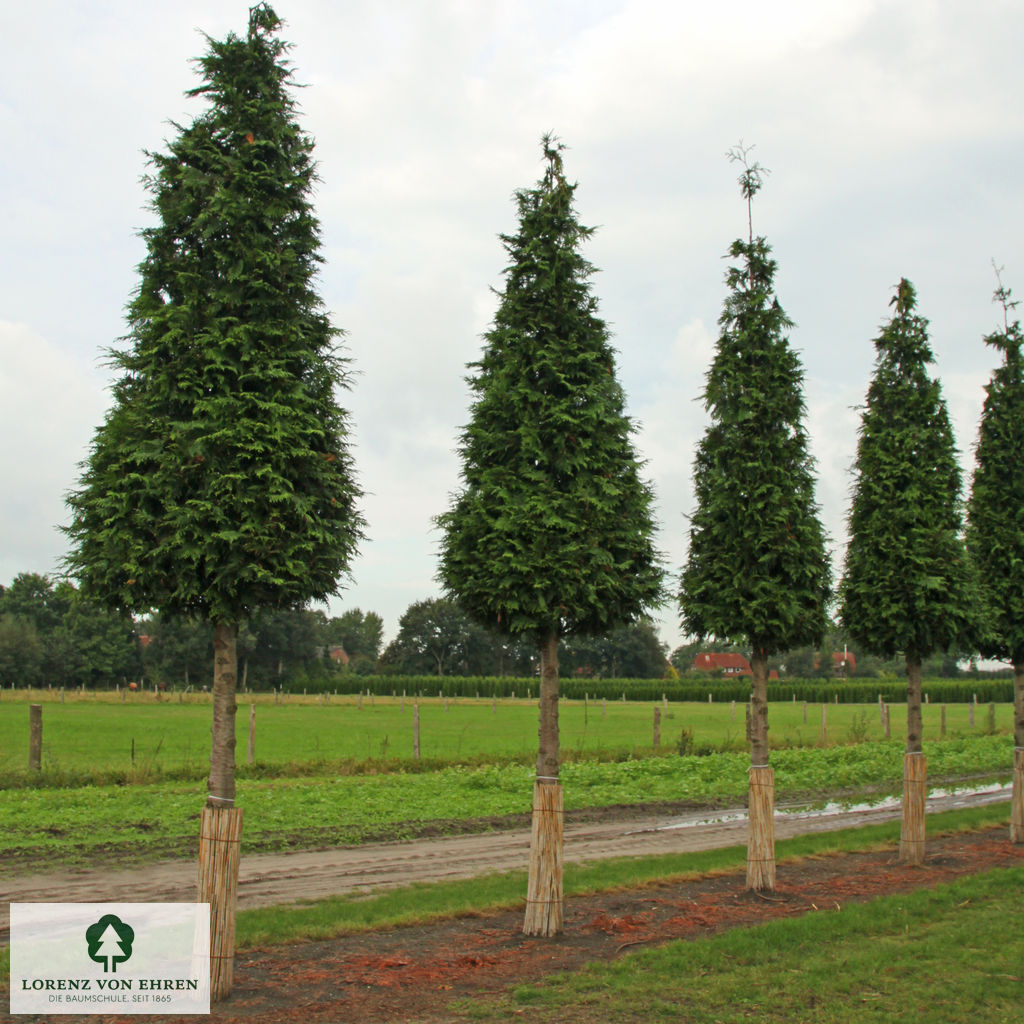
(154, 819)
(943, 954)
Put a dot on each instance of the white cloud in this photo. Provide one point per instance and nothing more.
(49, 404)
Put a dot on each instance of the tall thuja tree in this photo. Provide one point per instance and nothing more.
(756, 568)
(907, 585)
(220, 482)
(995, 526)
(551, 534)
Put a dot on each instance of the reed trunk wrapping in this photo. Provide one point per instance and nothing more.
(544, 890)
(1017, 804)
(761, 832)
(220, 837)
(915, 793)
(544, 886)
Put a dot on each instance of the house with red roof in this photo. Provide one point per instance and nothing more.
(727, 664)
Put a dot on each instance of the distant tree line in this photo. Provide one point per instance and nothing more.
(51, 636)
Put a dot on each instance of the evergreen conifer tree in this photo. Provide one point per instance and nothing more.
(220, 481)
(907, 585)
(551, 533)
(995, 526)
(756, 568)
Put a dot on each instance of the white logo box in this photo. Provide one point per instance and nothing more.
(124, 958)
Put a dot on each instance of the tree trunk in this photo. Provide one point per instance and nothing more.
(544, 887)
(915, 773)
(221, 784)
(221, 824)
(761, 817)
(1017, 806)
(915, 729)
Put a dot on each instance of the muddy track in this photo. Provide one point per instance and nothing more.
(272, 878)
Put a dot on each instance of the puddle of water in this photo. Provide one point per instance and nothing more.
(980, 795)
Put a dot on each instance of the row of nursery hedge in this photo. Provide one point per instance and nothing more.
(854, 691)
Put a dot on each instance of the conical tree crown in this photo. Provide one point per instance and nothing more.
(221, 479)
(995, 514)
(907, 585)
(551, 534)
(756, 566)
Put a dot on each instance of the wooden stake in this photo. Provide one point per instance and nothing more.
(544, 887)
(1017, 803)
(657, 728)
(761, 830)
(220, 836)
(416, 730)
(252, 733)
(35, 737)
(886, 721)
(824, 724)
(915, 793)
(942, 721)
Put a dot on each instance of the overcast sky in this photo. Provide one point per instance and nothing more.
(893, 132)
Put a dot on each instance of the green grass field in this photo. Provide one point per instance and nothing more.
(147, 738)
(947, 954)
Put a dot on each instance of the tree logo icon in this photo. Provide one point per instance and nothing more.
(110, 942)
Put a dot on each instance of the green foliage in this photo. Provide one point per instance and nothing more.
(551, 534)
(360, 633)
(50, 635)
(757, 566)
(158, 818)
(220, 481)
(907, 584)
(995, 513)
(632, 651)
(437, 637)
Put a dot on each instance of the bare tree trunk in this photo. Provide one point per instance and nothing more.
(544, 912)
(222, 752)
(1017, 806)
(761, 816)
(221, 823)
(915, 773)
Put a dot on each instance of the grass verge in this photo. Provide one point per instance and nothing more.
(947, 954)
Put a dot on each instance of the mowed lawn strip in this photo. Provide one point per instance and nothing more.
(67, 825)
(948, 954)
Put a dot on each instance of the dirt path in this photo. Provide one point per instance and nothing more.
(266, 879)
